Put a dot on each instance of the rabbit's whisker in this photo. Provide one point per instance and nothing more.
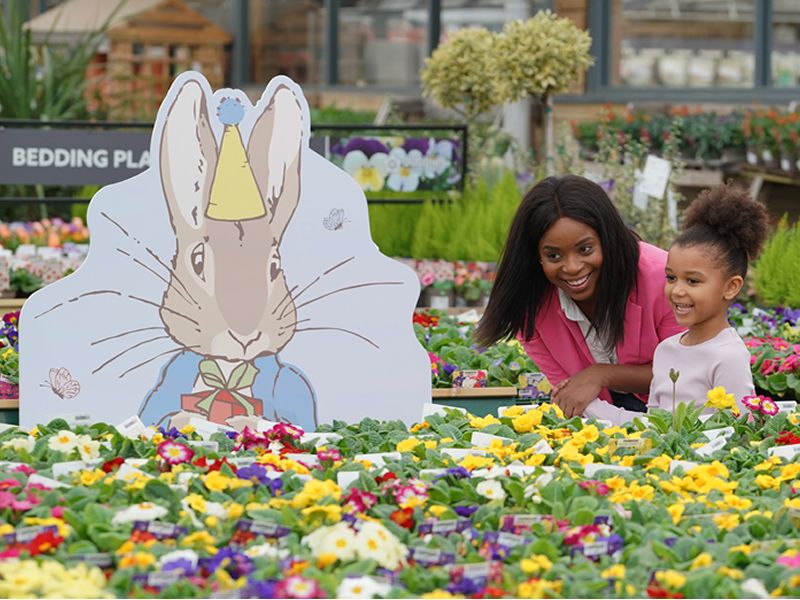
(290, 325)
(346, 288)
(151, 253)
(294, 298)
(78, 297)
(288, 295)
(341, 329)
(116, 356)
(141, 364)
(124, 333)
(169, 310)
(157, 274)
(172, 272)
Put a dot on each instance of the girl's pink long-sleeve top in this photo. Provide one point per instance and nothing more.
(559, 349)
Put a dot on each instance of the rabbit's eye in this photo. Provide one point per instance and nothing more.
(198, 260)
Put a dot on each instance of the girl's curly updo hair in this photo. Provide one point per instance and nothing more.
(726, 218)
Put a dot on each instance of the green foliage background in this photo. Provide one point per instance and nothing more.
(777, 272)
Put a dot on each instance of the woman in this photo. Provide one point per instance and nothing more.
(584, 296)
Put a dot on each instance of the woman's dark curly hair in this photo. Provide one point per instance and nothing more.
(520, 287)
(727, 219)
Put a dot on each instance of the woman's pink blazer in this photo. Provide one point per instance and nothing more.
(559, 349)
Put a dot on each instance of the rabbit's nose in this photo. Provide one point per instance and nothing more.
(243, 341)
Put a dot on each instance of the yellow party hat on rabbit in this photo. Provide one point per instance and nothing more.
(234, 192)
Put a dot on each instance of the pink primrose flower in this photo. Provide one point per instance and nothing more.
(174, 453)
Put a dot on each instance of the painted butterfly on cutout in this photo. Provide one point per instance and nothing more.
(62, 384)
(335, 220)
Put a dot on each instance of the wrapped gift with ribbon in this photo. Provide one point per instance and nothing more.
(225, 399)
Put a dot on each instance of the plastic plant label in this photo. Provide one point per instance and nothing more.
(133, 428)
(786, 406)
(485, 439)
(205, 445)
(786, 452)
(542, 447)
(592, 469)
(378, 459)
(461, 453)
(713, 434)
(712, 446)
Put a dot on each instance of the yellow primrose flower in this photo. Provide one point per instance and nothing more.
(211, 521)
(615, 483)
(430, 444)
(554, 408)
(315, 490)
(534, 460)
(676, 512)
(234, 510)
(769, 464)
(735, 502)
(89, 478)
(187, 429)
(614, 572)
(792, 503)
(326, 559)
(437, 510)
(407, 445)
(278, 503)
(526, 422)
(757, 513)
(670, 579)
(538, 588)
(584, 436)
(719, 399)
(512, 411)
(439, 593)
(790, 471)
(535, 564)
(419, 426)
(196, 502)
(730, 573)
(570, 452)
(481, 422)
(215, 481)
(767, 482)
(332, 513)
(6, 528)
(703, 559)
(226, 582)
(660, 462)
(140, 560)
(726, 521)
(199, 538)
(612, 431)
(157, 438)
(473, 461)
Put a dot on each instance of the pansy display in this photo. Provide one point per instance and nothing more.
(524, 504)
(399, 164)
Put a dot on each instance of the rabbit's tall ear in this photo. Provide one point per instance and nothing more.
(188, 157)
(274, 153)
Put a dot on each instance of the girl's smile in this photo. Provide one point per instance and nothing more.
(699, 291)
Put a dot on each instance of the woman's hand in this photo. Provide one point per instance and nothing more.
(573, 394)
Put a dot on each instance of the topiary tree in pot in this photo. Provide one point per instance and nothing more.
(540, 57)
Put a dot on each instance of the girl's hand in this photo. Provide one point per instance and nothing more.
(573, 395)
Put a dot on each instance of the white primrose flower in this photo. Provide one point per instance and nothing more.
(491, 489)
(87, 447)
(362, 587)
(145, 511)
(268, 550)
(374, 541)
(64, 441)
(338, 540)
(21, 443)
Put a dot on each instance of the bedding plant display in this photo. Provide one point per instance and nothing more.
(526, 504)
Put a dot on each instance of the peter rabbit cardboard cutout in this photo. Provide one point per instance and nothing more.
(236, 276)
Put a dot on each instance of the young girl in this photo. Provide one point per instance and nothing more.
(706, 269)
